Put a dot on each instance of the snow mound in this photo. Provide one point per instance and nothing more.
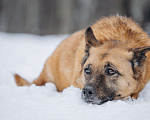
(26, 54)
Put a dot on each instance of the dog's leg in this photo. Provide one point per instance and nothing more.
(134, 96)
(40, 80)
(44, 77)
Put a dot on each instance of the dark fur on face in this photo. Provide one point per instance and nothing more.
(98, 80)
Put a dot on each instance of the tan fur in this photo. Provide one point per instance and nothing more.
(20, 81)
(63, 67)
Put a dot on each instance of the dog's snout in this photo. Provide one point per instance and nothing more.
(88, 91)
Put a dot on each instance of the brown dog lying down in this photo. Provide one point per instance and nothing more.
(108, 61)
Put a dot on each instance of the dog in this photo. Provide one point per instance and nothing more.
(109, 60)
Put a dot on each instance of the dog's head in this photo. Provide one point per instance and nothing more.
(110, 69)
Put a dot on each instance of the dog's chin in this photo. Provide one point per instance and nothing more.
(97, 102)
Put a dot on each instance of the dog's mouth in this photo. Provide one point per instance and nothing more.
(93, 99)
(96, 100)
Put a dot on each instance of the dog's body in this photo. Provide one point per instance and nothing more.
(111, 61)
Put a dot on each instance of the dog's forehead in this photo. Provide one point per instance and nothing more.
(103, 52)
(100, 56)
(119, 53)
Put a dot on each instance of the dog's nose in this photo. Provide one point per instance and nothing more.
(88, 91)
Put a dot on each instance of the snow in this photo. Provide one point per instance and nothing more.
(25, 54)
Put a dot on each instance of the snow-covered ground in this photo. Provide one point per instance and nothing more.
(25, 54)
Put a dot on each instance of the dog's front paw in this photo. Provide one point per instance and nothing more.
(134, 96)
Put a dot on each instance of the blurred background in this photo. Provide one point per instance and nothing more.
(45, 17)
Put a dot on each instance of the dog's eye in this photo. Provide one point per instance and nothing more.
(110, 71)
(87, 71)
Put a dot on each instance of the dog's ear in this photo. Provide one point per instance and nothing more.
(90, 38)
(90, 41)
(139, 55)
(138, 59)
